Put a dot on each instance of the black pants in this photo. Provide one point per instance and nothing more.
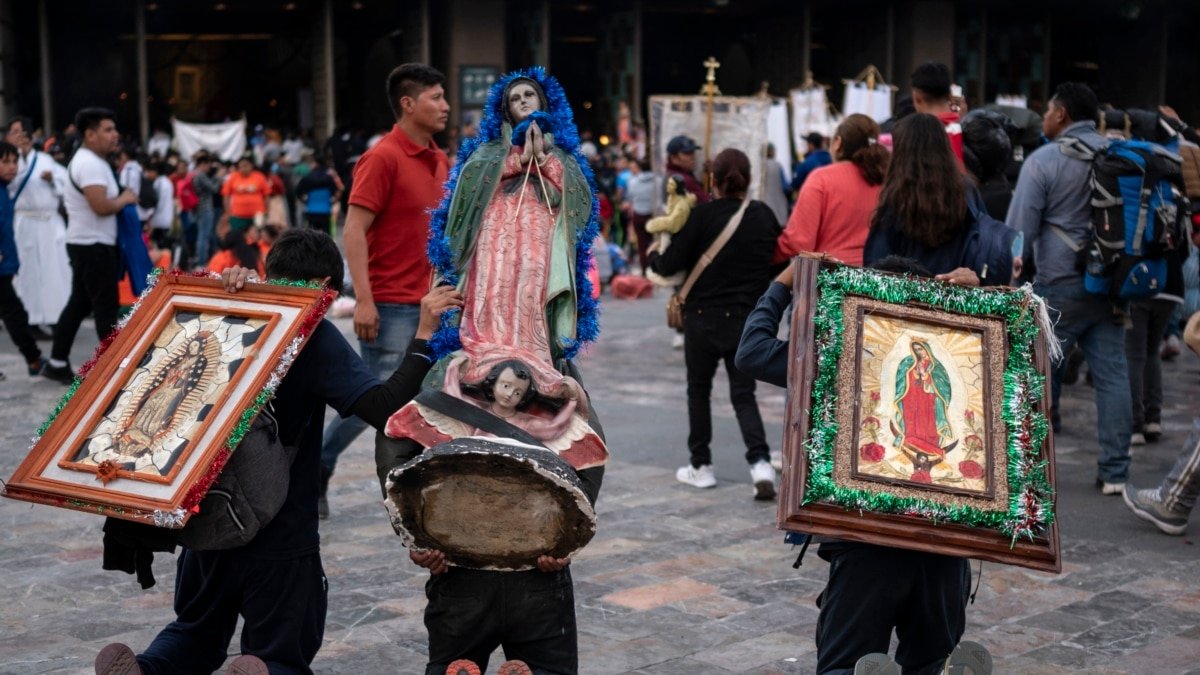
(873, 589)
(95, 271)
(1142, 342)
(317, 221)
(282, 603)
(16, 320)
(530, 614)
(710, 337)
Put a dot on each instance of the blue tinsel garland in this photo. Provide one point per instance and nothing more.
(587, 326)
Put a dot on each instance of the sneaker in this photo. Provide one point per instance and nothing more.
(60, 374)
(777, 460)
(1107, 488)
(677, 341)
(36, 367)
(969, 658)
(1152, 431)
(1137, 438)
(763, 475)
(1146, 505)
(701, 478)
(514, 667)
(462, 667)
(117, 659)
(247, 664)
(876, 664)
(1170, 348)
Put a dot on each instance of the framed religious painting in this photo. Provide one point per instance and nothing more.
(918, 416)
(152, 418)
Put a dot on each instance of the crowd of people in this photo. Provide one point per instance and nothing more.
(926, 194)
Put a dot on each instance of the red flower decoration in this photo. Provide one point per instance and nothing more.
(875, 396)
(970, 469)
(974, 442)
(872, 452)
(970, 415)
(921, 476)
(106, 471)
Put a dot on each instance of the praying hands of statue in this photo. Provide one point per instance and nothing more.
(535, 145)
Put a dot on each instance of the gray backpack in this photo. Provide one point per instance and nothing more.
(247, 494)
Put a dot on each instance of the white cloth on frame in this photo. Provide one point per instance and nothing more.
(227, 140)
(43, 283)
(777, 134)
(876, 103)
(737, 123)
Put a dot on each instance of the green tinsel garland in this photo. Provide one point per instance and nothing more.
(1031, 503)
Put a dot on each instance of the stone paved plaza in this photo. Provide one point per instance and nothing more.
(678, 580)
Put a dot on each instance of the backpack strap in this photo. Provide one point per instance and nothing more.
(1076, 149)
(480, 419)
(1066, 238)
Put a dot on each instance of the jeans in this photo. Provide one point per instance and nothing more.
(397, 326)
(873, 589)
(1181, 487)
(1142, 342)
(1089, 320)
(531, 614)
(710, 337)
(16, 321)
(206, 223)
(282, 603)
(95, 270)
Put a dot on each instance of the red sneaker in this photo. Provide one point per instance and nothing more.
(463, 667)
(514, 668)
(117, 659)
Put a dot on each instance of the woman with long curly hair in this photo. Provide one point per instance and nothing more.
(923, 212)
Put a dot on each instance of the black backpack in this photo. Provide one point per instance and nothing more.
(147, 195)
(247, 494)
(991, 245)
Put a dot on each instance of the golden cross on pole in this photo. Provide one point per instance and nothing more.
(710, 90)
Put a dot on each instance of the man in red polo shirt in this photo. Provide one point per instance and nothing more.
(395, 184)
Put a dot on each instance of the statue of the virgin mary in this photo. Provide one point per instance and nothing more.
(514, 234)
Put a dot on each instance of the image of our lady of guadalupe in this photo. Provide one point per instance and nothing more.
(514, 235)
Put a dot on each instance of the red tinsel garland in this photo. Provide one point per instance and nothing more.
(191, 501)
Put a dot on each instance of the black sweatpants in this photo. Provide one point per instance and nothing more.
(16, 320)
(710, 337)
(95, 271)
(530, 614)
(873, 589)
(282, 603)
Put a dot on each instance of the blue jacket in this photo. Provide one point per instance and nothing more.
(9, 263)
(760, 354)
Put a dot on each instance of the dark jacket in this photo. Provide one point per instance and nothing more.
(741, 270)
(9, 263)
(761, 354)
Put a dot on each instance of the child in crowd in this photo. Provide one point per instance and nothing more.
(276, 582)
(12, 310)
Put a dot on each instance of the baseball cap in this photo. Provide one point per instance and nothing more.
(681, 144)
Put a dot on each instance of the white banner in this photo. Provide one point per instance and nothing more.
(777, 135)
(874, 103)
(227, 140)
(810, 112)
(736, 123)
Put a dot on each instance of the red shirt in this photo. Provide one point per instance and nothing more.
(832, 215)
(399, 181)
(950, 120)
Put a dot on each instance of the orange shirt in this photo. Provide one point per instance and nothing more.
(832, 215)
(399, 181)
(247, 194)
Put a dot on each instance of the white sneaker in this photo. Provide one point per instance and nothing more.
(701, 478)
(777, 460)
(677, 341)
(763, 475)
(1137, 438)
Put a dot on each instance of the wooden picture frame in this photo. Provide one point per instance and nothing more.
(985, 380)
(151, 422)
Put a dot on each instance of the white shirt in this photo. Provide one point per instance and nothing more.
(131, 175)
(164, 210)
(38, 195)
(84, 226)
